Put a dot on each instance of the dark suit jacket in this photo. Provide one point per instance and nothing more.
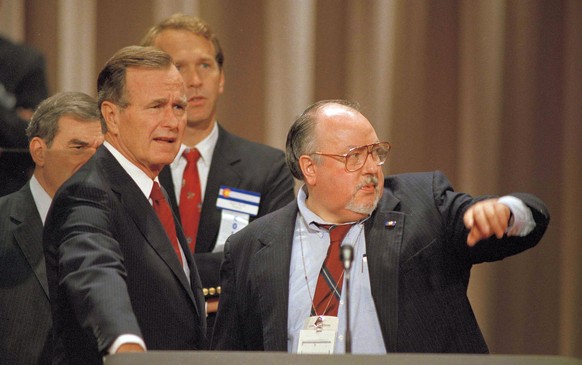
(242, 164)
(112, 269)
(25, 312)
(419, 271)
(22, 74)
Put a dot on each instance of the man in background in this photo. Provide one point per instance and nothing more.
(414, 241)
(64, 133)
(22, 88)
(229, 181)
(121, 277)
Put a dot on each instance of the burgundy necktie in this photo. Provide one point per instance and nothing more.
(329, 284)
(164, 212)
(190, 198)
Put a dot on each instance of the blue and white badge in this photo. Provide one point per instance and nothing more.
(238, 200)
(237, 207)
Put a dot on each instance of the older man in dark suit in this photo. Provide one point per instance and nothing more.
(226, 161)
(120, 274)
(414, 241)
(64, 133)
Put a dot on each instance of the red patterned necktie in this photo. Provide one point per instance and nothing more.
(164, 212)
(329, 284)
(190, 198)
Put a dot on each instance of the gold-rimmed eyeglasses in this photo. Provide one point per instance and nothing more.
(356, 157)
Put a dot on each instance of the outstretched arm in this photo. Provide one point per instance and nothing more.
(485, 219)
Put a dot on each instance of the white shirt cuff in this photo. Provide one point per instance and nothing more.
(523, 222)
(125, 339)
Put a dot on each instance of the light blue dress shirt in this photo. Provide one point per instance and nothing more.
(309, 250)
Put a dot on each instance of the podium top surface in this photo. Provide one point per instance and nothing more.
(280, 358)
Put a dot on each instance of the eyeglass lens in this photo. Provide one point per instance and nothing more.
(357, 157)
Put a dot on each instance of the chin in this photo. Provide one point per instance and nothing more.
(165, 158)
(365, 208)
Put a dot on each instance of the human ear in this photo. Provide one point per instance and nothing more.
(110, 112)
(221, 82)
(37, 148)
(308, 168)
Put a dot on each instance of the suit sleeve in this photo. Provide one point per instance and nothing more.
(226, 334)
(453, 206)
(79, 240)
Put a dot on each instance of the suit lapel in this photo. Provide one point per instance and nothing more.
(144, 217)
(28, 234)
(222, 172)
(384, 232)
(270, 271)
(168, 184)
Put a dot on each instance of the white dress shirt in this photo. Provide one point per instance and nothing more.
(206, 149)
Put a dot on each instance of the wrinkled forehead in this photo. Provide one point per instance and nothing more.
(141, 81)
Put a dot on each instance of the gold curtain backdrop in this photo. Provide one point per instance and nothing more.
(488, 91)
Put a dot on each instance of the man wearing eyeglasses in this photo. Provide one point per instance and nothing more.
(414, 241)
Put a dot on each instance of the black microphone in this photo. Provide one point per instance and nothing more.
(347, 256)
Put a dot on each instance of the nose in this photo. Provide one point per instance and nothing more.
(172, 117)
(192, 78)
(370, 166)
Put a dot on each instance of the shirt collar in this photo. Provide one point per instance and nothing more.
(311, 219)
(41, 198)
(205, 147)
(143, 181)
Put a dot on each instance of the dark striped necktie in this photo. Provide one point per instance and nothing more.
(329, 284)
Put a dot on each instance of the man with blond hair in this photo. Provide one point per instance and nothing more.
(224, 162)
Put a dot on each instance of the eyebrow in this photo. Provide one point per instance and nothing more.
(78, 142)
(206, 58)
(158, 101)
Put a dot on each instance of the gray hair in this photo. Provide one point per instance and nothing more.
(45, 120)
(111, 80)
(301, 139)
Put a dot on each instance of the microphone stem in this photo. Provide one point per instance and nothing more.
(348, 335)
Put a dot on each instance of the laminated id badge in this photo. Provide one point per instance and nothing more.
(237, 207)
(318, 335)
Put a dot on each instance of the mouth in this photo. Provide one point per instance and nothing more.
(167, 140)
(368, 187)
(369, 184)
(196, 100)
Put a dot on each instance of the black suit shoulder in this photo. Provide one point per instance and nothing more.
(24, 305)
(245, 146)
(242, 164)
(265, 228)
(255, 167)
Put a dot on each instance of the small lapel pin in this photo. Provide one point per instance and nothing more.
(390, 224)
